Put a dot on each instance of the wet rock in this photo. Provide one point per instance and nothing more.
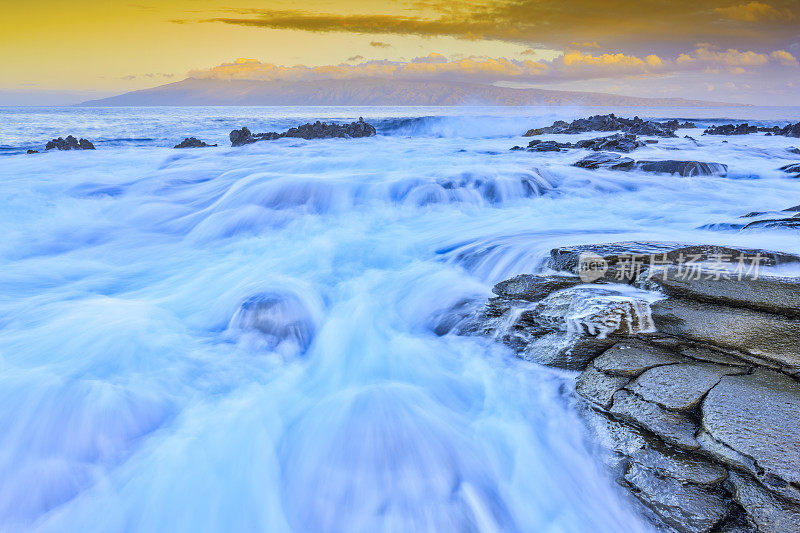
(70, 143)
(597, 387)
(32, 152)
(630, 358)
(317, 130)
(794, 168)
(683, 168)
(611, 122)
(794, 150)
(686, 507)
(766, 512)
(570, 351)
(625, 261)
(192, 142)
(729, 284)
(756, 415)
(684, 467)
(595, 311)
(673, 427)
(792, 130)
(731, 129)
(283, 321)
(605, 160)
(790, 223)
(679, 387)
(533, 287)
(763, 335)
(546, 146)
(621, 142)
(706, 354)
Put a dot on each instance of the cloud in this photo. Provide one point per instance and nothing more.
(572, 65)
(785, 58)
(554, 23)
(528, 52)
(380, 44)
(752, 12)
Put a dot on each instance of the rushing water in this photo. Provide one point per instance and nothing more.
(140, 389)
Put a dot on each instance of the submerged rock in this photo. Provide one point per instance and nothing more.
(283, 321)
(683, 168)
(192, 142)
(533, 287)
(317, 130)
(605, 160)
(70, 143)
(611, 122)
(32, 152)
(794, 168)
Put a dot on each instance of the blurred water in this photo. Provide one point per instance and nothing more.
(232, 339)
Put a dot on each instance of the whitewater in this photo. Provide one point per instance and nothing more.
(137, 392)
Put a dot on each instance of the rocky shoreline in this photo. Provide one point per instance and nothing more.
(689, 372)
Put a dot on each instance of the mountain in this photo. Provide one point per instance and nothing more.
(372, 91)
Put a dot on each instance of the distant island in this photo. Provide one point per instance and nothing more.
(370, 92)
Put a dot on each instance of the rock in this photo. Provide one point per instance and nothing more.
(317, 130)
(774, 223)
(546, 146)
(570, 351)
(597, 387)
(731, 129)
(605, 160)
(703, 353)
(683, 168)
(32, 152)
(729, 284)
(683, 467)
(70, 143)
(533, 287)
(679, 387)
(283, 321)
(625, 261)
(756, 415)
(763, 335)
(686, 507)
(611, 122)
(621, 142)
(793, 168)
(792, 130)
(192, 142)
(594, 311)
(630, 358)
(766, 512)
(794, 150)
(673, 427)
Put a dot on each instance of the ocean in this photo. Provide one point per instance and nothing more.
(136, 396)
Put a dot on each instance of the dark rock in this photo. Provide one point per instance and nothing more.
(729, 284)
(794, 168)
(70, 143)
(533, 287)
(684, 467)
(317, 130)
(597, 387)
(766, 512)
(792, 130)
(630, 358)
(790, 223)
(683, 168)
(731, 129)
(686, 507)
(679, 387)
(794, 150)
(611, 122)
(32, 152)
(605, 160)
(621, 142)
(765, 336)
(546, 146)
(756, 415)
(192, 142)
(673, 427)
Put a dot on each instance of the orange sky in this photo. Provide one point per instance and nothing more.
(111, 47)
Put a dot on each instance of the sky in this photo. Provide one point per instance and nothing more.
(54, 52)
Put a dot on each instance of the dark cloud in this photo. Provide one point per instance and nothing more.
(628, 25)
